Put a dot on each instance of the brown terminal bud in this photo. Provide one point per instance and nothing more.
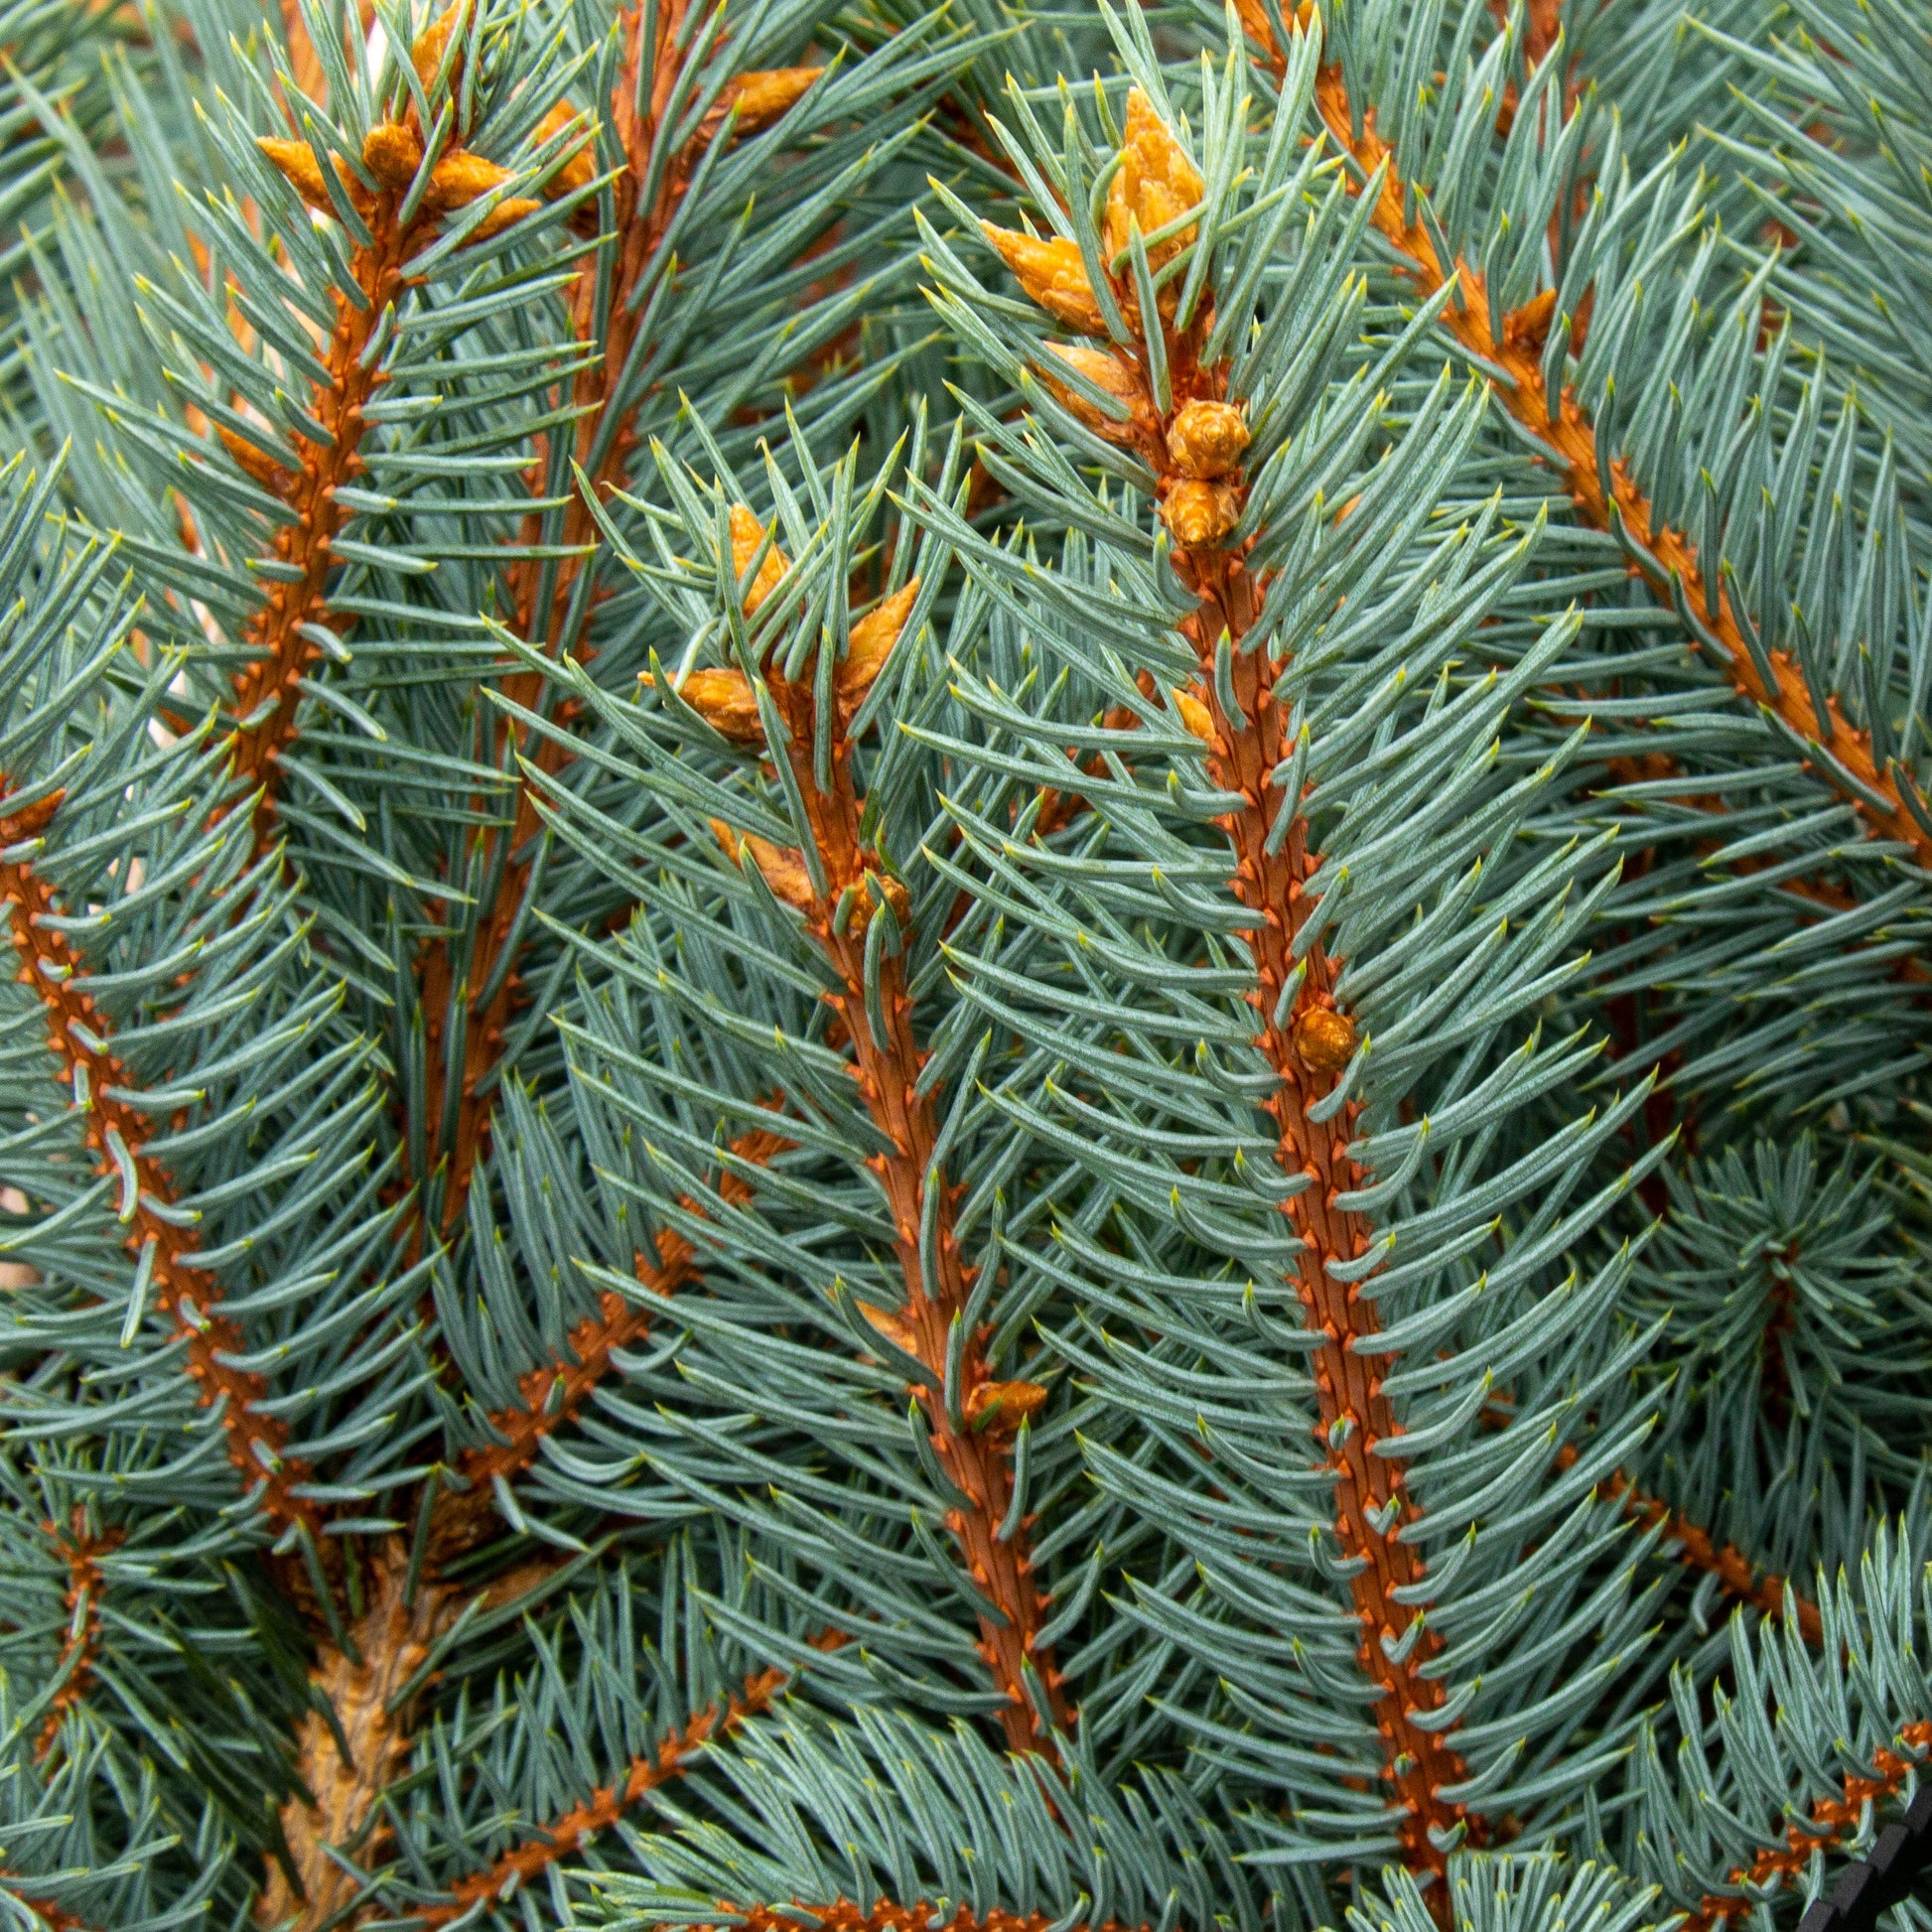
(1200, 513)
(763, 97)
(577, 172)
(1207, 439)
(1155, 183)
(1109, 375)
(723, 699)
(459, 179)
(433, 42)
(870, 641)
(1324, 1041)
(999, 1408)
(746, 534)
(299, 167)
(782, 867)
(1104, 369)
(1195, 716)
(505, 215)
(894, 1328)
(392, 153)
(1528, 328)
(1054, 273)
(880, 890)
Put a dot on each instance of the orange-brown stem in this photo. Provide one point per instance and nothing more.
(1371, 1503)
(116, 1131)
(83, 1551)
(1763, 1589)
(394, 1638)
(1570, 438)
(461, 1518)
(1194, 448)
(889, 1070)
(1195, 453)
(1835, 1819)
(1542, 24)
(1831, 899)
(603, 1807)
(337, 1809)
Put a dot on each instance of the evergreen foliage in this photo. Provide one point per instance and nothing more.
(970, 963)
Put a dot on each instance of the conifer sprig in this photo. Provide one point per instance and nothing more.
(1519, 344)
(949, 997)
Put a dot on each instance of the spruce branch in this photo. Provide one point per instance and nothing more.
(396, 216)
(884, 1916)
(677, 1752)
(840, 893)
(1194, 440)
(952, 1248)
(1765, 1589)
(353, 1745)
(1259, 1174)
(1833, 1825)
(349, 1750)
(1140, 1855)
(1837, 1730)
(162, 1243)
(555, 1393)
(1653, 770)
(1508, 350)
(550, 605)
(267, 691)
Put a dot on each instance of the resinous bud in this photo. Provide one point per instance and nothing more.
(1200, 513)
(1001, 1407)
(746, 534)
(767, 95)
(1207, 439)
(1053, 274)
(1155, 183)
(1324, 1041)
(392, 152)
